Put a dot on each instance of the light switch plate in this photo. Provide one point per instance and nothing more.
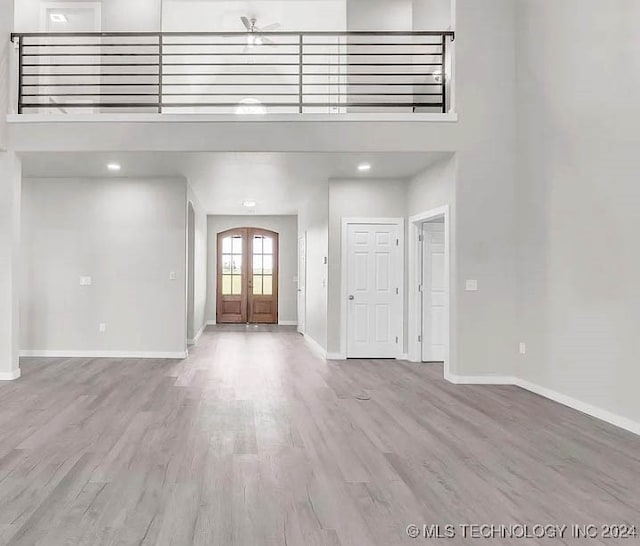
(523, 348)
(85, 281)
(172, 276)
(471, 285)
(102, 327)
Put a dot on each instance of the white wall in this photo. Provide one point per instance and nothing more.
(379, 14)
(287, 228)
(313, 219)
(484, 321)
(128, 235)
(214, 16)
(434, 187)
(10, 195)
(6, 49)
(578, 117)
(117, 15)
(353, 198)
(432, 14)
(200, 263)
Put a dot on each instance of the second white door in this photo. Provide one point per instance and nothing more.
(374, 290)
(434, 293)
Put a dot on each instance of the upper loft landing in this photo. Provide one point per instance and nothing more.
(233, 57)
(101, 75)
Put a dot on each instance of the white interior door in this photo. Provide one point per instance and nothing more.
(302, 283)
(374, 282)
(434, 293)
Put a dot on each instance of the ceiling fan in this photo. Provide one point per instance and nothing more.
(255, 37)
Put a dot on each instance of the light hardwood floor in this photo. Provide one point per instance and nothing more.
(254, 440)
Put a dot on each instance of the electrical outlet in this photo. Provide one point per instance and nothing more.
(471, 285)
(172, 276)
(523, 348)
(102, 327)
(85, 281)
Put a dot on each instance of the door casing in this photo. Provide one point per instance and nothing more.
(414, 322)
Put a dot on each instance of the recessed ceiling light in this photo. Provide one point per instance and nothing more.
(114, 167)
(58, 17)
(249, 204)
(364, 167)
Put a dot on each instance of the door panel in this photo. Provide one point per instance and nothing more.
(263, 280)
(374, 277)
(434, 330)
(232, 291)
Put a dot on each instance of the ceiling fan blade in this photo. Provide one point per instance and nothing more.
(246, 23)
(266, 41)
(272, 26)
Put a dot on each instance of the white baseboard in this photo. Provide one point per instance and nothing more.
(180, 355)
(315, 346)
(211, 323)
(10, 376)
(573, 403)
(287, 323)
(336, 356)
(403, 356)
(583, 407)
(478, 379)
(197, 336)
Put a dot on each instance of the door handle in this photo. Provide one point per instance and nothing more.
(351, 298)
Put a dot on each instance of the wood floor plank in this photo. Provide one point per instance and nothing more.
(254, 440)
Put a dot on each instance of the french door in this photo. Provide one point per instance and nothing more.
(247, 289)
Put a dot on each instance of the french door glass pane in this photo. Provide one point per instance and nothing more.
(257, 265)
(226, 245)
(268, 245)
(236, 289)
(257, 244)
(226, 285)
(267, 285)
(237, 244)
(257, 285)
(226, 264)
(268, 265)
(237, 264)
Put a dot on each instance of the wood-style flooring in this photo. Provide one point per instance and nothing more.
(254, 440)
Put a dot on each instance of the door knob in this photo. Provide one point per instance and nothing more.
(352, 298)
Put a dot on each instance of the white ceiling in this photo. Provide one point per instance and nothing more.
(279, 182)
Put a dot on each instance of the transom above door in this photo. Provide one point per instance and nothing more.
(247, 277)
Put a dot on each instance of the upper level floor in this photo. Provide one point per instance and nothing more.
(341, 58)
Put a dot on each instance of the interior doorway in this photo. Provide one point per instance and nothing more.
(302, 283)
(191, 265)
(247, 276)
(430, 288)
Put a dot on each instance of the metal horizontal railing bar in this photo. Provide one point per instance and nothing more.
(62, 65)
(448, 33)
(101, 84)
(155, 54)
(92, 74)
(234, 105)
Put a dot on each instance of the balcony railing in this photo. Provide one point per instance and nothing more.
(230, 72)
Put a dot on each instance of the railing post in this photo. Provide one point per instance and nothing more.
(444, 73)
(301, 75)
(12, 105)
(160, 71)
(20, 72)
